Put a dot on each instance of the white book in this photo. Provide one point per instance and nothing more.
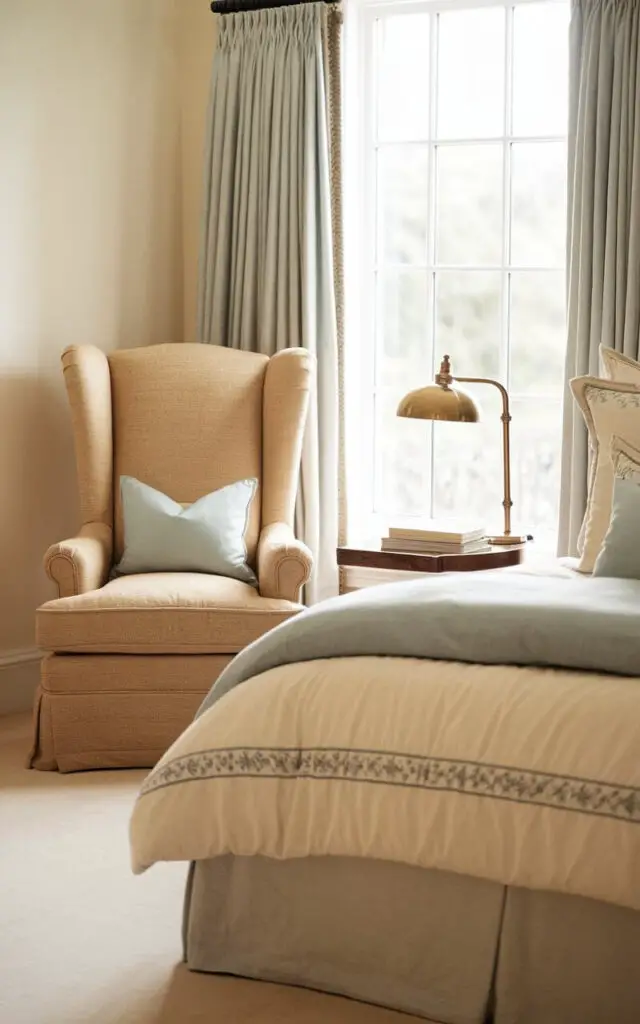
(410, 546)
(451, 530)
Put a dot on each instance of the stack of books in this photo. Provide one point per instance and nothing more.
(433, 537)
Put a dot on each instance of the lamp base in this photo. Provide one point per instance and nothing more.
(508, 540)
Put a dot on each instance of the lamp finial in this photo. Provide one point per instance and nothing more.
(444, 378)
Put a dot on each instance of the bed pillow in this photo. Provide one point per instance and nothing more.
(620, 553)
(610, 410)
(160, 535)
(618, 367)
(613, 366)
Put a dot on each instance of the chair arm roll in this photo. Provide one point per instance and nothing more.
(284, 563)
(82, 563)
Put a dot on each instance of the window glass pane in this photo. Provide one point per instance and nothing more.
(468, 317)
(467, 475)
(537, 329)
(471, 73)
(403, 203)
(403, 327)
(468, 467)
(536, 430)
(421, 312)
(538, 204)
(403, 77)
(402, 458)
(469, 204)
(540, 69)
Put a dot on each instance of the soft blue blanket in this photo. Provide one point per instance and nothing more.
(502, 619)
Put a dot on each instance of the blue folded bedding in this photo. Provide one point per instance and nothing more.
(583, 623)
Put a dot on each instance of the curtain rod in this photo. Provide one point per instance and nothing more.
(238, 6)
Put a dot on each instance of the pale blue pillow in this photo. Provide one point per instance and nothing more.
(160, 535)
(620, 552)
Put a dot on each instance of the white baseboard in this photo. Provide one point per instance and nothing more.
(19, 676)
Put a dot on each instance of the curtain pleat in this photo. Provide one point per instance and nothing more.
(268, 262)
(333, 65)
(603, 256)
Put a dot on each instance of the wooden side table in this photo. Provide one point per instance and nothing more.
(499, 557)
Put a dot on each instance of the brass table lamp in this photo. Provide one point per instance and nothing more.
(441, 401)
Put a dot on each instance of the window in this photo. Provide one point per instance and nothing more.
(456, 187)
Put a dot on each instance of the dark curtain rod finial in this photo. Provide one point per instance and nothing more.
(238, 6)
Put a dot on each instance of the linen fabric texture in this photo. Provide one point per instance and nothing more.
(620, 552)
(366, 727)
(618, 367)
(610, 410)
(160, 613)
(207, 536)
(266, 266)
(603, 218)
(188, 420)
(399, 759)
(477, 945)
(563, 621)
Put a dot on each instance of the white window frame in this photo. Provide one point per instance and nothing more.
(364, 523)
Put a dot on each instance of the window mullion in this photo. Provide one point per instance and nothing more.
(505, 360)
(369, 309)
(472, 141)
(431, 228)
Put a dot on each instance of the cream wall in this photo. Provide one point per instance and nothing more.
(102, 106)
(196, 42)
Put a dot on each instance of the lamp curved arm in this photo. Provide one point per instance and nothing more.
(506, 445)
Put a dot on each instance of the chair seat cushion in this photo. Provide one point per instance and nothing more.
(160, 613)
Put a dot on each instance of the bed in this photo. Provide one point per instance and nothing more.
(427, 797)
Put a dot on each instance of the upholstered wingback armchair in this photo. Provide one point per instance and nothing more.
(127, 660)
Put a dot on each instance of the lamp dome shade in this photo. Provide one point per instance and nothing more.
(435, 402)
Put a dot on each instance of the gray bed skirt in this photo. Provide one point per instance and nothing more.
(449, 948)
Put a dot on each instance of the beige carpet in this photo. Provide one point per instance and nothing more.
(83, 940)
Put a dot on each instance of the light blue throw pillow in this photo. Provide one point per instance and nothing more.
(620, 552)
(160, 535)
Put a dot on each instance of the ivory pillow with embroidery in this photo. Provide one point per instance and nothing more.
(616, 366)
(610, 409)
(624, 370)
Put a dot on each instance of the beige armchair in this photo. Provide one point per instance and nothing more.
(128, 660)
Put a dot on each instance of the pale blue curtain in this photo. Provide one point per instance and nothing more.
(266, 269)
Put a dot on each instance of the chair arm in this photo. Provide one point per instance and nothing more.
(284, 563)
(82, 563)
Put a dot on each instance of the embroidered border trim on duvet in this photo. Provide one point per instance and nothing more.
(500, 782)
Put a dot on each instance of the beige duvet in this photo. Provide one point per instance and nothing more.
(523, 776)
